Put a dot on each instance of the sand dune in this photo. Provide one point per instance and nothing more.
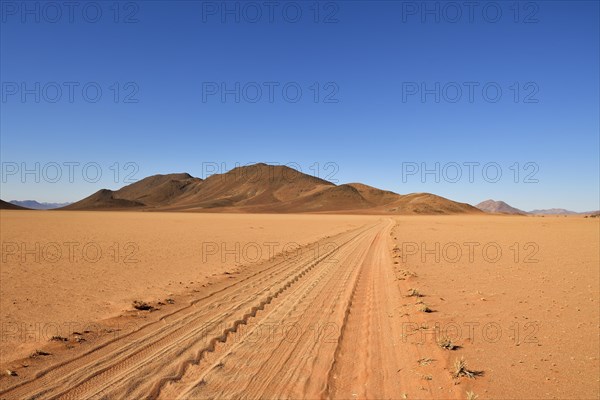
(263, 188)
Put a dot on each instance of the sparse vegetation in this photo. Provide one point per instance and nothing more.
(472, 396)
(38, 353)
(425, 361)
(57, 338)
(424, 308)
(461, 369)
(142, 305)
(446, 343)
(414, 293)
(10, 372)
(405, 272)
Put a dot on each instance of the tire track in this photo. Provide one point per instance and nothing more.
(279, 369)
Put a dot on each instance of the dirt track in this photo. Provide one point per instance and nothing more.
(320, 325)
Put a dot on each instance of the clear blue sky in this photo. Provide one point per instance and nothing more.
(371, 61)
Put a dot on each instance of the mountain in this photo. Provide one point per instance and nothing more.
(491, 206)
(427, 203)
(153, 191)
(554, 211)
(498, 207)
(561, 211)
(4, 205)
(262, 188)
(35, 205)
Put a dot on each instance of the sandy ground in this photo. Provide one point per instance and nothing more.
(527, 318)
(328, 318)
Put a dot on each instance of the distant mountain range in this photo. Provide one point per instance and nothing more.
(262, 188)
(500, 207)
(34, 205)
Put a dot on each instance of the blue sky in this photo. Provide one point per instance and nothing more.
(379, 84)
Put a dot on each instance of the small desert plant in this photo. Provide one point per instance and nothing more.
(38, 353)
(424, 361)
(425, 308)
(446, 343)
(142, 305)
(472, 396)
(57, 338)
(414, 293)
(405, 272)
(461, 369)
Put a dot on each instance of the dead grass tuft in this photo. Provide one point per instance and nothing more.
(142, 306)
(472, 396)
(446, 343)
(424, 308)
(461, 369)
(38, 353)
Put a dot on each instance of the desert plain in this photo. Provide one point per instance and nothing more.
(116, 304)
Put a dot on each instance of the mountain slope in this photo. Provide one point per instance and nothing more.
(499, 207)
(373, 195)
(554, 211)
(153, 191)
(254, 185)
(427, 203)
(35, 205)
(5, 205)
(263, 188)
